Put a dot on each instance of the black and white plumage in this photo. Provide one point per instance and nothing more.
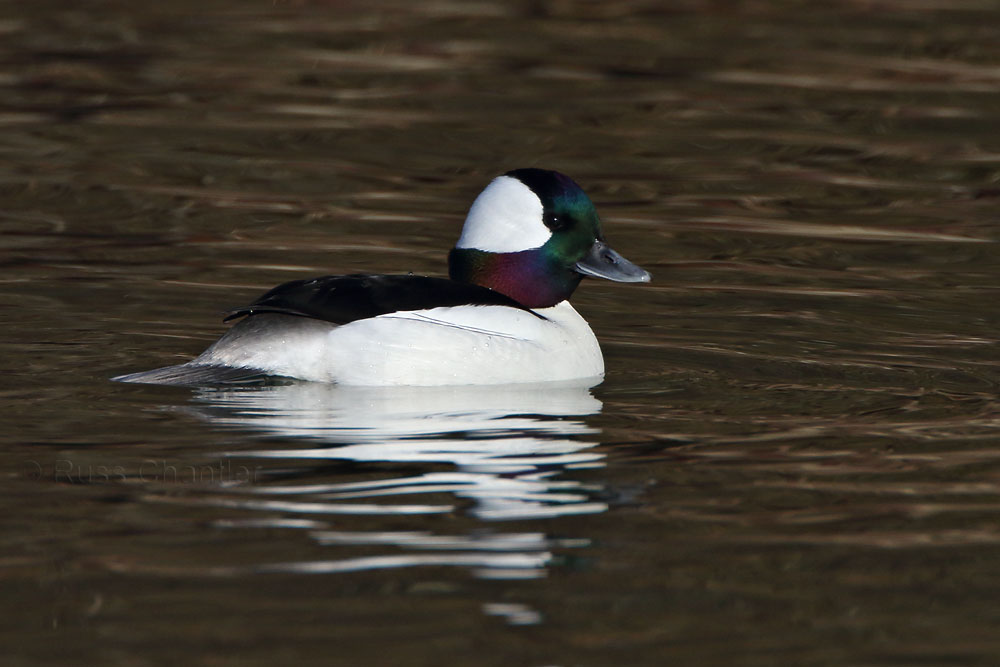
(502, 317)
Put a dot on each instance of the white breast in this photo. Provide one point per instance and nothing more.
(471, 345)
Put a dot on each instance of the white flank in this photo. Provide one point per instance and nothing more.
(470, 345)
(506, 217)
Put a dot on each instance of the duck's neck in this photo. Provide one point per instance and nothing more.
(531, 277)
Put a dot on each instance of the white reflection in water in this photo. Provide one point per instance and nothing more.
(506, 447)
(336, 413)
(516, 614)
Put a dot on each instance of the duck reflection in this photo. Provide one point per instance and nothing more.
(483, 453)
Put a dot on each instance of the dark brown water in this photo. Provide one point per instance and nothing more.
(795, 458)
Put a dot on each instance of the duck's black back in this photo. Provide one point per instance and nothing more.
(344, 299)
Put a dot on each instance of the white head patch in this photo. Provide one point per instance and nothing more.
(506, 217)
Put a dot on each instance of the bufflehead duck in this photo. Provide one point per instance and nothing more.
(502, 317)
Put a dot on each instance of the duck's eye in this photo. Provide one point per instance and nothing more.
(556, 221)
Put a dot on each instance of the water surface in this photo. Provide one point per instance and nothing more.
(794, 456)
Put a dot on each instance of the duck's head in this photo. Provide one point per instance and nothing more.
(533, 234)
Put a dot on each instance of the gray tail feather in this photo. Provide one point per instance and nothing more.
(197, 375)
